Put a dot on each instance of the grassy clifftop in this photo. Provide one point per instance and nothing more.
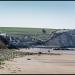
(23, 30)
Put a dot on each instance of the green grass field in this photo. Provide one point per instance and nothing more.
(17, 30)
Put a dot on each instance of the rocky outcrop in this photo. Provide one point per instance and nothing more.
(15, 42)
(62, 39)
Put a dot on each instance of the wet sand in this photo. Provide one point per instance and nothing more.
(43, 64)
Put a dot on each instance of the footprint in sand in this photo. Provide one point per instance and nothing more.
(19, 69)
(1, 67)
(14, 71)
(9, 68)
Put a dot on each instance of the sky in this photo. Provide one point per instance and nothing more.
(38, 14)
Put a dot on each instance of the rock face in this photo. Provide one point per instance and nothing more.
(62, 39)
(14, 42)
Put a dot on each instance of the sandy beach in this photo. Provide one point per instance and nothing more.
(43, 64)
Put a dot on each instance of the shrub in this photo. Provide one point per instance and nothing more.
(2, 45)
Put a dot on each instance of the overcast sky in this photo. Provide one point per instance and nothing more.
(37, 14)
